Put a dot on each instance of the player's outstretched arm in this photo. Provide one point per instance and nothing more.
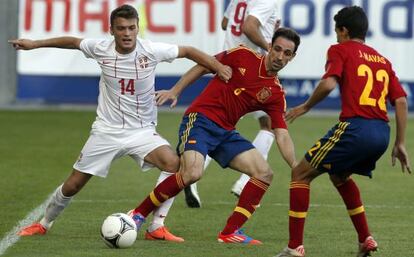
(285, 144)
(323, 89)
(187, 79)
(58, 42)
(223, 72)
(399, 151)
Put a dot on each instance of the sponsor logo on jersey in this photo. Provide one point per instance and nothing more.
(242, 71)
(192, 141)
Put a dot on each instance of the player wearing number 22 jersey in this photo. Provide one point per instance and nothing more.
(367, 83)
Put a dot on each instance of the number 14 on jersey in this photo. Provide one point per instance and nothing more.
(128, 87)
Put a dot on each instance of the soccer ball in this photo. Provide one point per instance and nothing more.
(119, 231)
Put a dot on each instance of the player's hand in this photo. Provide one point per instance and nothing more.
(225, 73)
(22, 44)
(295, 112)
(399, 152)
(163, 96)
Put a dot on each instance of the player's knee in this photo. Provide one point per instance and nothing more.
(191, 175)
(301, 175)
(172, 164)
(264, 174)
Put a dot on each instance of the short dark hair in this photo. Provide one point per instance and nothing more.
(124, 11)
(289, 34)
(354, 19)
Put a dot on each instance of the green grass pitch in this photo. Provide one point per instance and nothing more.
(38, 149)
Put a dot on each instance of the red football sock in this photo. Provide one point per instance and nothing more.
(299, 204)
(249, 199)
(170, 187)
(352, 199)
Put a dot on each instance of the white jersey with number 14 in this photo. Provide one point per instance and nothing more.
(126, 86)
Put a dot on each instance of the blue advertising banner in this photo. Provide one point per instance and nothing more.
(84, 90)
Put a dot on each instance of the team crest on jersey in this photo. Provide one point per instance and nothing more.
(263, 94)
(143, 61)
(242, 71)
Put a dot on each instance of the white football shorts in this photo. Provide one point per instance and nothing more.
(102, 148)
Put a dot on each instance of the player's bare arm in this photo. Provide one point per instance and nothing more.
(323, 89)
(223, 72)
(251, 28)
(399, 151)
(285, 144)
(58, 42)
(187, 79)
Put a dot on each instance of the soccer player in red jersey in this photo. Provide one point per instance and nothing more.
(367, 82)
(208, 127)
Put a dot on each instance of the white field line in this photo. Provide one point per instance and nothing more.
(11, 237)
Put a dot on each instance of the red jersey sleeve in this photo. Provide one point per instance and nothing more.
(334, 63)
(395, 89)
(276, 110)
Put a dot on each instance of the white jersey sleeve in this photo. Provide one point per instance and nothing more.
(164, 52)
(87, 46)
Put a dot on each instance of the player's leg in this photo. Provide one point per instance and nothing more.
(95, 159)
(351, 196)
(58, 202)
(299, 195)
(263, 142)
(192, 197)
(239, 154)
(191, 165)
(165, 159)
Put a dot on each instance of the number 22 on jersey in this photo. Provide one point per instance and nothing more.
(380, 76)
(128, 88)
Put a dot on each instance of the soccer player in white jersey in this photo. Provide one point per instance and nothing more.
(250, 23)
(126, 113)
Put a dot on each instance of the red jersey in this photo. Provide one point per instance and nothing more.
(250, 89)
(366, 79)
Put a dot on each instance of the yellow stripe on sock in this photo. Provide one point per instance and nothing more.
(356, 211)
(243, 211)
(259, 184)
(296, 214)
(154, 199)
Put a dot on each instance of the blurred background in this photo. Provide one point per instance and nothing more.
(56, 77)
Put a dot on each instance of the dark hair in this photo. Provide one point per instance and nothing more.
(289, 34)
(354, 19)
(124, 11)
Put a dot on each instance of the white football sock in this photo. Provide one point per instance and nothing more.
(161, 212)
(57, 204)
(263, 142)
(207, 161)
